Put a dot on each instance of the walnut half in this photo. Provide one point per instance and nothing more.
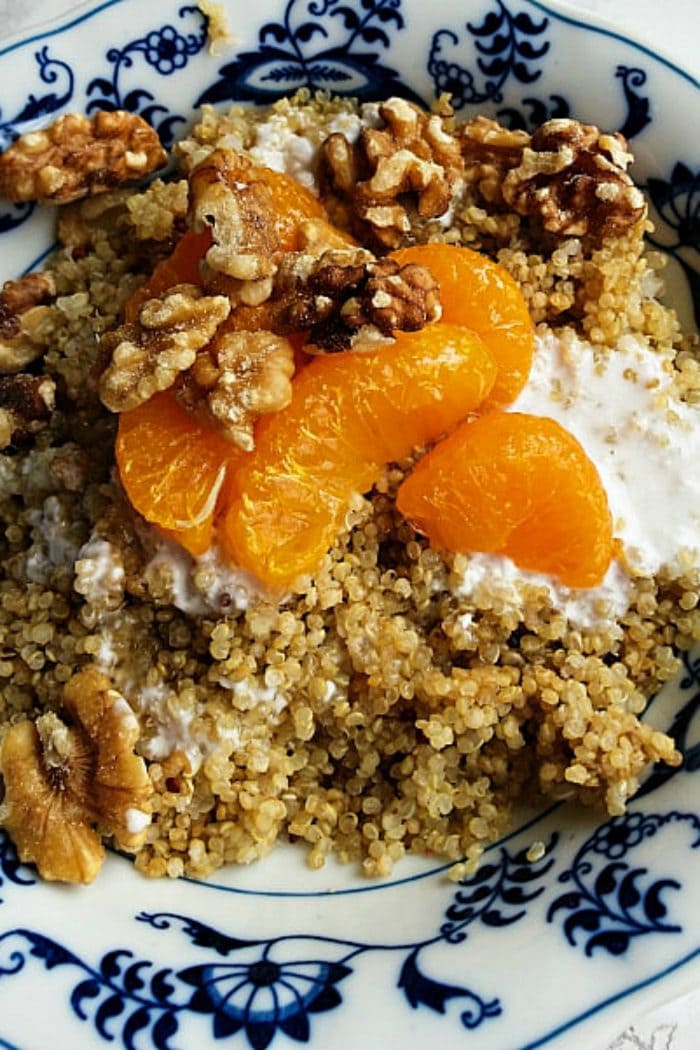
(23, 307)
(408, 170)
(347, 299)
(228, 197)
(65, 782)
(147, 357)
(573, 178)
(78, 156)
(238, 378)
(26, 406)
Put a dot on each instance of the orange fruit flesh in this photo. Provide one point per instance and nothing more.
(173, 469)
(517, 485)
(348, 416)
(180, 267)
(480, 294)
(293, 203)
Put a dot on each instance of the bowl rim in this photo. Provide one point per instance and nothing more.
(561, 11)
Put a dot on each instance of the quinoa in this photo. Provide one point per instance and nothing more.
(377, 712)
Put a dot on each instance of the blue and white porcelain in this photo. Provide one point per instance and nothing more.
(560, 951)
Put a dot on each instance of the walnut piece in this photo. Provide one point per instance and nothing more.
(26, 406)
(489, 152)
(240, 377)
(573, 178)
(80, 156)
(22, 310)
(147, 357)
(228, 198)
(409, 170)
(348, 300)
(67, 782)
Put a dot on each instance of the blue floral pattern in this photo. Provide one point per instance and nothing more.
(612, 903)
(261, 987)
(288, 58)
(507, 45)
(11, 870)
(165, 50)
(677, 202)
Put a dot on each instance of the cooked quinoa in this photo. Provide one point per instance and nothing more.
(378, 712)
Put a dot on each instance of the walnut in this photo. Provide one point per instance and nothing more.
(26, 406)
(347, 299)
(409, 170)
(79, 156)
(68, 781)
(241, 376)
(489, 152)
(146, 357)
(228, 198)
(574, 180)
(22, 310)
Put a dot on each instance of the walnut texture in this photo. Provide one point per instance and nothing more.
(240, 377)
(573, 179)
(147, 357)
(227, 198)
(348, 300)
(408, 170)
(489, 152)
(26, 406)
(23, 308)
(80, 156)
(68, 782)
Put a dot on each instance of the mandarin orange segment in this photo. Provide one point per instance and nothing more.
(293, 204)
(172, 466)
(180, 267)
(518, 485)
(196, 540)
(480, 294)
(349, 414)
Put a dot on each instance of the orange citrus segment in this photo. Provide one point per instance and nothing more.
(293, 204)
(180, 267)
(172, 466)
(517, 485)
(480, 294)
(196, 540)
(349, 414)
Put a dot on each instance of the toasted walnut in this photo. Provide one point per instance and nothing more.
(147, 357)
(411, 168)
(574, 180)
(347, 299)
(79, 156)
(489, 152)
(65, 781)
(22, 309)
(26, 406)
(226, 197)
(240, 377)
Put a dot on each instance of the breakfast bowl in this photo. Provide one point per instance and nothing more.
(570, 922)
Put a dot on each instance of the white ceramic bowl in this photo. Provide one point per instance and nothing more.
(558, 952)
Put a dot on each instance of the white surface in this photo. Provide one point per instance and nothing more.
(673, 29)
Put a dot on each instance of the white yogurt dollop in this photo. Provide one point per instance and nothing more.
(645, 443)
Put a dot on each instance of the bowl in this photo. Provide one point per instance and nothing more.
(558, 946)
